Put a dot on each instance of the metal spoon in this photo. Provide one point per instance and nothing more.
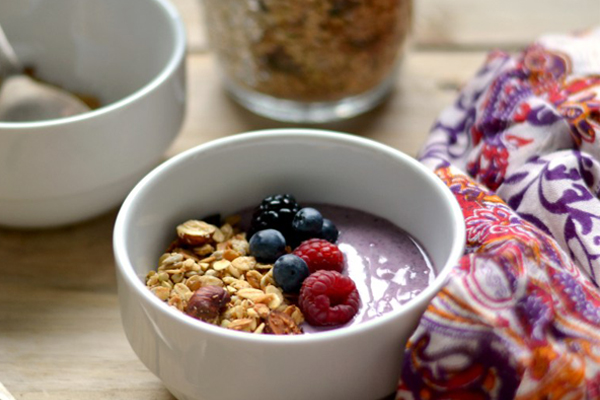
(25, 99)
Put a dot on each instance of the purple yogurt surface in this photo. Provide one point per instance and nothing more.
(388, 266)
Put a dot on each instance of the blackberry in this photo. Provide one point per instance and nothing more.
(275, 212)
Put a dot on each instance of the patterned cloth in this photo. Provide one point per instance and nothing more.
(520, 314)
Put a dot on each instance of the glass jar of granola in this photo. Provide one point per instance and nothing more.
(308, 60)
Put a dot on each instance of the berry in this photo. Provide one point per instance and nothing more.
(319, 254)
(275, 212)
(328, 298)
(308, 222)
(329, 231)
(267, 245)
(289, 272)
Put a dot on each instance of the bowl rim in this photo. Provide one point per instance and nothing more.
(175, 59)
(125, 268)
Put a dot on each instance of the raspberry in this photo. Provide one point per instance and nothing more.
(320, 254)
(328, 298)
(275, 212)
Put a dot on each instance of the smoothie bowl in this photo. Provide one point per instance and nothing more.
(397, 225)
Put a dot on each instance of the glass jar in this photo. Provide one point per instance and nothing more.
(308, 60)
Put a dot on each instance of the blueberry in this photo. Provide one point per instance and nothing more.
(329, 231)
(289, 272)
(267, 245)
(308, 222)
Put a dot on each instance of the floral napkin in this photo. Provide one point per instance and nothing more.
(520, 315)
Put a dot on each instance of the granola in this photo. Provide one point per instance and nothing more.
(308, 50)
(208, 274)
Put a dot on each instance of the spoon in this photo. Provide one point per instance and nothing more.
(24, 99)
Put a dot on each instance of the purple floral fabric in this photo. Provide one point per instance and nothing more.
(560, 194)
(520, 315)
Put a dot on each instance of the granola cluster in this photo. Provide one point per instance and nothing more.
(207, 273)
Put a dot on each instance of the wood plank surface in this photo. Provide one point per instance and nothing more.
(427, 82)
(60, 330)
(462, 24)
(507, 24)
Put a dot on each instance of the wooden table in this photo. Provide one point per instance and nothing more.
(60, 329)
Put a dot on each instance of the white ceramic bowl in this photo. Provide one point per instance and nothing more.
(128, 53)
(199, 361)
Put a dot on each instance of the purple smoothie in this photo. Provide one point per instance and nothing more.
(388, 267)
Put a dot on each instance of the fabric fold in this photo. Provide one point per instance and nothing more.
(520, 315)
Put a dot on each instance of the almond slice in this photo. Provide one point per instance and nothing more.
(195, 233)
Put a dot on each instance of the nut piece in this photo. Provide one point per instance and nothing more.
(207, 303)
(279, 323)
(221, 265)
(251, 294)
(218, 236)
(195, 233)
(161, 292)
(296, 314)
(262, 310)
(244, 263)
(208, 280)
(230, 254)
(254, 277)
(187, 254)
(204, 250)
(243, 324)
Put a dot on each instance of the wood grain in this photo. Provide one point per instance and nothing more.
(507, 24)
(60, 330)
(426, 84)
(462, 24)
